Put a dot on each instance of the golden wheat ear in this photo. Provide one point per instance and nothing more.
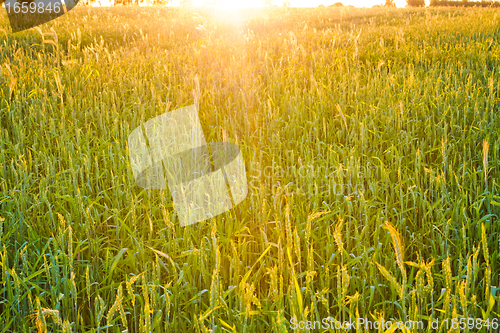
(397, 242)
(196, 91)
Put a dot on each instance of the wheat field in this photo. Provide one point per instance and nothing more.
(371, 144)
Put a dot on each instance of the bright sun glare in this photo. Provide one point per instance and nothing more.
(293, 3)
(229, 3)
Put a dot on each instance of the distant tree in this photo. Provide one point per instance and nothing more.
(464, 3)
(286, 3)
(337, 4)
(415, 3)
(268, 3)
(390, 3)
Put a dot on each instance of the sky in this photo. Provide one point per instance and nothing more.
(293, 3)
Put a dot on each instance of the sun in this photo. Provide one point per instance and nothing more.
(231, 12)
(229, 3)
(239, 4)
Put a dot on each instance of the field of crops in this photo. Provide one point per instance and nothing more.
(371, 139)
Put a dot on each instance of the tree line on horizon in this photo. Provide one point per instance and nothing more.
(451, 3)
(388, 3)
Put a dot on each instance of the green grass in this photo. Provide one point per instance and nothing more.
(347, 118)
